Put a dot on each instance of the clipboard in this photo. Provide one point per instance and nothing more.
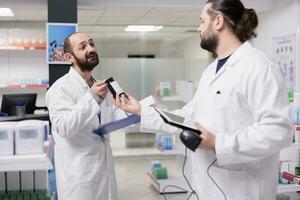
(176, 120)
(122, 123)
(117, 124)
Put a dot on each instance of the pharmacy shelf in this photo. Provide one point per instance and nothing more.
(12, 86)
(294, 145)
(172, 98)
(144, 152)
(25, 163)
(290, 153)
(172, 152)
(160, 132)
(5, 48)
(285, 188)
(160, 184)
(169, 152)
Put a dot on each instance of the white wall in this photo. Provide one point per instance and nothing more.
(140, 76)
(283, 19)
(196, 59)
(191, 49)
(181, 60)
(187, 48)
(121, 49)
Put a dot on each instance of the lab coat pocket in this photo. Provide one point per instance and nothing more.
(83, 169)
(224, 112)
(232, 182)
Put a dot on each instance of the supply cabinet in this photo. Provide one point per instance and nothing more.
(291, 153)
(24, 167)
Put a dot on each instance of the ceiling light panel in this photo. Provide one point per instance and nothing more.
(143, 28)
(6, 12)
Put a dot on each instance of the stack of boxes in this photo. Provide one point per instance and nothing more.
(24, 137)
(158, 171)
(17, 140)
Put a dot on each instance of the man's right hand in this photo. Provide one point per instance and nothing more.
(128, 104)
(100, 89)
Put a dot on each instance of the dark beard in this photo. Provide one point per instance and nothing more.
(86, 65)
(210, 44)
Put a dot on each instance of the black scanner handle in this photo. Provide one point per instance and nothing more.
(190, 139)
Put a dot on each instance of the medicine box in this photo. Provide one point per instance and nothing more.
(7, 138)
(29, 136)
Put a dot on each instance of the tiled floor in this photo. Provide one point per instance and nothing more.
(134, 184)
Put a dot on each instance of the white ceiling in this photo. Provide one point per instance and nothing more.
(106, 19)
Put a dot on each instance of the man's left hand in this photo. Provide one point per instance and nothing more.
(208, 139)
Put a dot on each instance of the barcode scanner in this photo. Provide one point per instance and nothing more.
(190, 139)
(190, 136)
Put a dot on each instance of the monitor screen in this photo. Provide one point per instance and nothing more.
(9, 102)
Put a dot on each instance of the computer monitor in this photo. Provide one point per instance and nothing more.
(9, 102)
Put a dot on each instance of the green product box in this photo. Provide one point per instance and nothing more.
(291, 96)
(161, 173)
(297, 171)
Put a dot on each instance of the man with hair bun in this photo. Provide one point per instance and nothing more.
(241, 107)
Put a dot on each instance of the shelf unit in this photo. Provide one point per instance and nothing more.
(171, 98)
(160, 184)
(285, 188)
(12, 86)
(177, 180)
(31, 48)
(27, 77)
(24, 172)
(289, 153)
(30, 162)
(144, 152)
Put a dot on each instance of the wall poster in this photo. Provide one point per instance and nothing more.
(56, 33)
(284, 53)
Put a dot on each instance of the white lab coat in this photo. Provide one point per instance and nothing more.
(251, 120)
(83, 160)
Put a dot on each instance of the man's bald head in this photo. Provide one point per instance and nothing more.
(68, 46)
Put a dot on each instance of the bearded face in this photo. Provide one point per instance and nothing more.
(209, 40)
(81, 52)
(87, 62)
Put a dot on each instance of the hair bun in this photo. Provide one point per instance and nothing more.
(247, 24)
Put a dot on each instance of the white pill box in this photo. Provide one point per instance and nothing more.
(7, 138)
(29, 137)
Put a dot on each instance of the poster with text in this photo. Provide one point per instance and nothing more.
(284, 53)
(56, 34)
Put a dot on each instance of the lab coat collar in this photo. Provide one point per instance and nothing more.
(230, 62)
(238, 53)
(77, 76)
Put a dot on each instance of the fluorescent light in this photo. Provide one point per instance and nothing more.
(6, 12)
(143, 28)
